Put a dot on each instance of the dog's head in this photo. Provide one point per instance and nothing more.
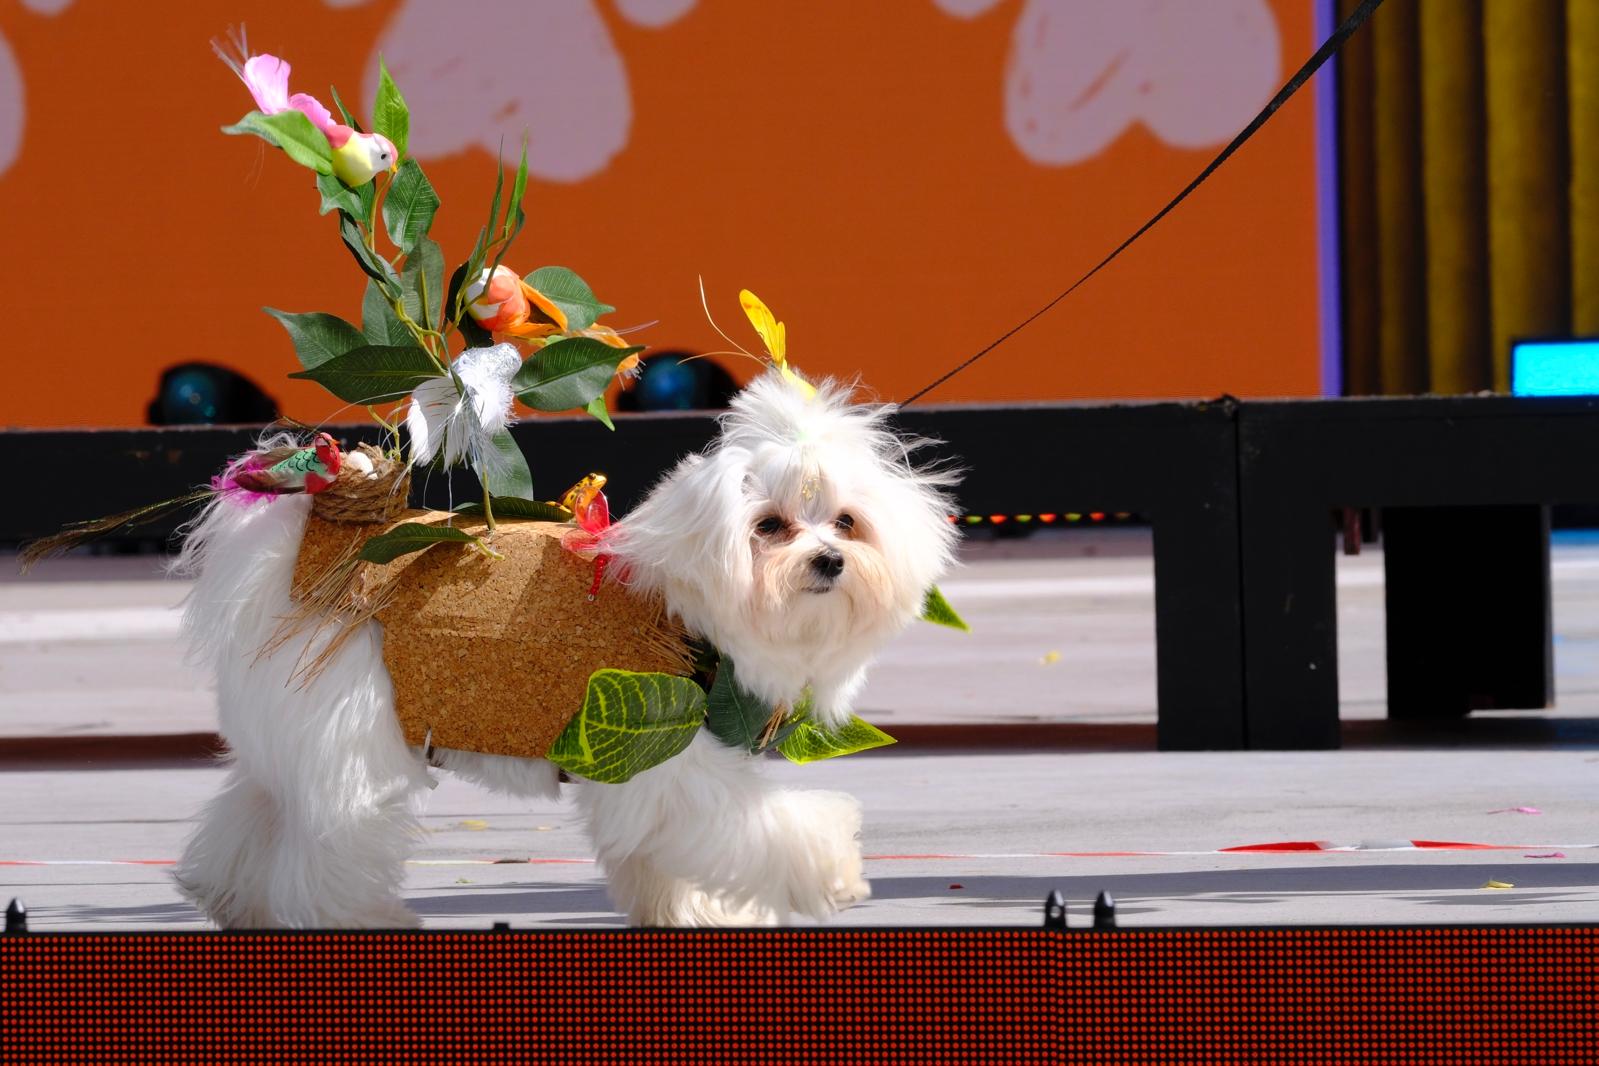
(804, 524)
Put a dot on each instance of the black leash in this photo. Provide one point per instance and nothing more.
(1313, 64)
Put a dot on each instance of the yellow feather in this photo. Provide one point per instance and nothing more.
(805, 387)
(766, 324)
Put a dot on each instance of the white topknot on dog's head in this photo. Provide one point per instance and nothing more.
(798, 542)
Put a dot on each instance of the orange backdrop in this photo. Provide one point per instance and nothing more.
(850, 162)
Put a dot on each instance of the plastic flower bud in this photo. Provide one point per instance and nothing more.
(501, 302)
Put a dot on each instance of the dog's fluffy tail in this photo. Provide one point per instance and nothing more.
(241, 554)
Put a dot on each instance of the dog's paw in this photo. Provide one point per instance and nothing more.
(678, 905)
(832, 825)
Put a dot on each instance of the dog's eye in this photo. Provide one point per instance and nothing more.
(845, 521)
(770, 526)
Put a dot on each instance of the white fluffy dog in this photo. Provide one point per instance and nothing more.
(798, 543)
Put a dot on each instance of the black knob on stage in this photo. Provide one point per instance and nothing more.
(1104, 911)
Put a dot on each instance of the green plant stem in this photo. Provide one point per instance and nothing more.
(488, 507)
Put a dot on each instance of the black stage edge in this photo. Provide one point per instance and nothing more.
(1242, 496)
(1171, 461)
(1388, 995)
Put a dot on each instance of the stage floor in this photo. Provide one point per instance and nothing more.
(958, 838)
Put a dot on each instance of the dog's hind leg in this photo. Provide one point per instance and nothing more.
(217, 871)
(707, 839)
(314, 825)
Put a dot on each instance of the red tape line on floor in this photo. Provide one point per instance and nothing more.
(1272, 847)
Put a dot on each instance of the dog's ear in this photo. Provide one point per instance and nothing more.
(692, 530)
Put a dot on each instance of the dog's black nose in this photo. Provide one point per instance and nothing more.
(828, 564)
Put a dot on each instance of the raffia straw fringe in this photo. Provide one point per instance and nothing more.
(332, 600)
(83, 532)
(358, 497)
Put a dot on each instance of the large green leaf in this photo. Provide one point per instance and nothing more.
(337, 196)
(292, 132)
(390, 116)
(936, 609)
(628, 723)
(737, 717)
(410, 205)
(568, 374)
(369, 261)
(517, 507)
(810, 742)
(408, 537)
(422, 284)
(378, 320)
(373, 373)
(318, 337)
(503, 469)
(571, 294)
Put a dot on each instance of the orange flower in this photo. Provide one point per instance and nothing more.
(504, 303)
(607, 335)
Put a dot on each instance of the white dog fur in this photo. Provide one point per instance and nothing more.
(798, 543)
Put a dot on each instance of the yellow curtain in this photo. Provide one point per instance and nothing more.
(1582, 74)
(1470, 178)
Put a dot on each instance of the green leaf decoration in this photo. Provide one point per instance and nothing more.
(390, 116)
(410, 205)
(568, 374)
(337, 196)
(735, 716)
(292, 132)
(408, 537)
(513, 211)
(318, 337)
(810, 742)
(373, 373)
(378, 320)
(517, 507)
(936, 609)
(480, 251)
(571, 294)
(344, 112)
(629, 722)
(472, 268)
(374, 265)
(503, 470)
(422, 284)
(598, 409)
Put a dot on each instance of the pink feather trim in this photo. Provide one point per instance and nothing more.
(267, 78)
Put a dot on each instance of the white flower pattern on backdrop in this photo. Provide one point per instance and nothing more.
(13, 108)
(494, 66)
(1080, 72)
(13, 97)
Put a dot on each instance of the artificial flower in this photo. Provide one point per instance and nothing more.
(628, 367)
(501, 302)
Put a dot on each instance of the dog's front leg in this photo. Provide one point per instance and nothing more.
(706, 839)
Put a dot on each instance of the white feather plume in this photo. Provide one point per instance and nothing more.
(442, 419)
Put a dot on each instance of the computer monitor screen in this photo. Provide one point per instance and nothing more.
(1555, 368)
